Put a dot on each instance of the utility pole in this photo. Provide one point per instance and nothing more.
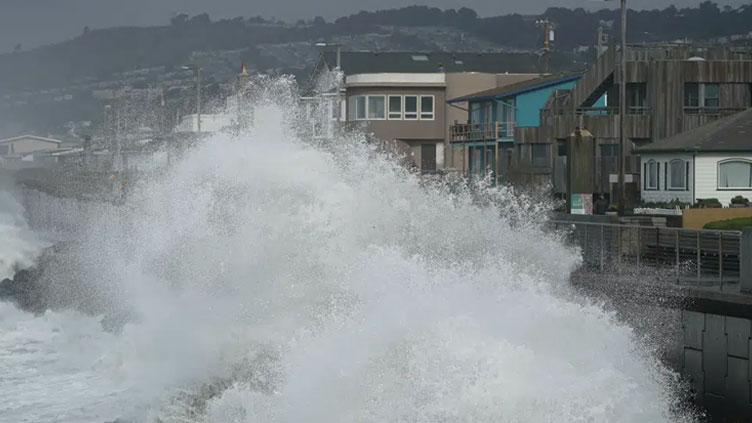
(622, 105)
(548, 37)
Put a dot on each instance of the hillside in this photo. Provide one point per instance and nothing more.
(47, 87)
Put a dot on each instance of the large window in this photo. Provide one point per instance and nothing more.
(711, 100)
(411, 107)
(651, 175)
(735, 174)
(426, 107)
(677, 175)
(395, 107)
(539, 155)
(692, 95)
(376, 104)
(703, 98)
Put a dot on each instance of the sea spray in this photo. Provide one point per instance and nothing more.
(19, 245)
(266, 278)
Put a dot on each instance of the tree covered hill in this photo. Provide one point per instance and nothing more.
(99, 53)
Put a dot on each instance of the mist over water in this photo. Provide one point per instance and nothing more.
(266, 278)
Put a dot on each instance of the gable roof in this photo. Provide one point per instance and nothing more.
(732, 133)
(21, 137)
(519, 87)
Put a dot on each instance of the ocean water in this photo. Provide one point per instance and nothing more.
(268, 278)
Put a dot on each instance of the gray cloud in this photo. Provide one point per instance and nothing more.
(35, 22)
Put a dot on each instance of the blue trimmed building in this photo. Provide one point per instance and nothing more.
(498, 118)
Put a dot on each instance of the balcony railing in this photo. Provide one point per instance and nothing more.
(490, 131)
(599, 111)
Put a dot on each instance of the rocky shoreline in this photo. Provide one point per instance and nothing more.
(25, 289)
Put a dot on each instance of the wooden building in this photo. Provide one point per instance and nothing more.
(670, 89)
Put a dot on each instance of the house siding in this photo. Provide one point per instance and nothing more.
(663, 194)
(707, 177)
(530, 103)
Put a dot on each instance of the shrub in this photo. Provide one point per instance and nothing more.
(707, 203)
(665, 205)
(730, 224)
(739, 200)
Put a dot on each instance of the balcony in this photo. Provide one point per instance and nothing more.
(477, 132)
(599, 111)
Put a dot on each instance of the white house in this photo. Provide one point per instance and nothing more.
(25, 144)
(712, 161)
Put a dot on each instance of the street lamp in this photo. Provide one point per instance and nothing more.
(198, 70)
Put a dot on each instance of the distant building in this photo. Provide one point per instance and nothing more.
(712, 161)
(20, 151)
(25, 144)
(401, 97)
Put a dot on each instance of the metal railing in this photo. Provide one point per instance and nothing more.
(694, 256)
(598, 111)
(464, 132)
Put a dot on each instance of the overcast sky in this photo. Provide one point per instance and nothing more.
(36, 22)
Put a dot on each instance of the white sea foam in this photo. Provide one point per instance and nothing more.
(270, 280)
(18, 244)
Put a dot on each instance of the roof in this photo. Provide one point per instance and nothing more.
(356, 62)
(519, 87)
(732, 133)
(21, 137)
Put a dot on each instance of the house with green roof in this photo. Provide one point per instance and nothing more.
(712, 161)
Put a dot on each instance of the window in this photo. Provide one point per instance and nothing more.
(710, 98)
(376, 104)
(735, 174)
(360, 108)
(561, 148)
(609, 150)
(426, 107)
(540, 155)
(677, 175)
(703, 98)
(692, 97)
(474, 112)
(636, 97)
(395, 107)
(411, 107)
(651, 175)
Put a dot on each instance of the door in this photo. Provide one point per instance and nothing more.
(428, 157)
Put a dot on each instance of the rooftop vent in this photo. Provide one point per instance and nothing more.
(420, 58)
(696, 59)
